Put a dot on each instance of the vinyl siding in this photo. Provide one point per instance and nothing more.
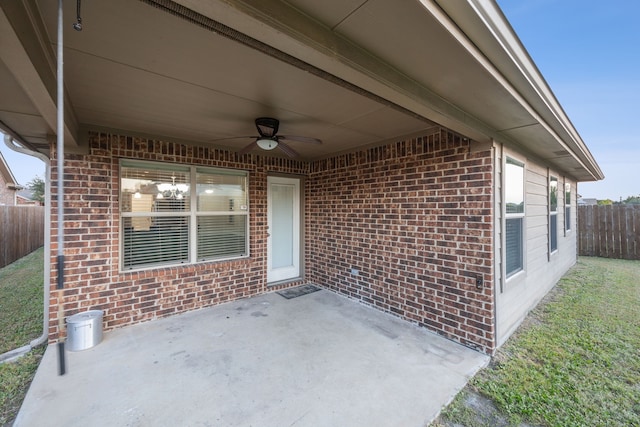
(516, 296)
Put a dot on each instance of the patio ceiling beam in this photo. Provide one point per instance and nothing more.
(27, 53)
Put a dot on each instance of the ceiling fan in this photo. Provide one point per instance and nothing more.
(268, 138)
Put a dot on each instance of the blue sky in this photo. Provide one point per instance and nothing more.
(24, 167)
(589, 53)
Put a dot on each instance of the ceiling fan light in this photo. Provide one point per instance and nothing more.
(267, 143)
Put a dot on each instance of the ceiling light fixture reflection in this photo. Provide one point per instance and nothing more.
(172, 191)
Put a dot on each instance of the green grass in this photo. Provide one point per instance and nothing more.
(576, 359)
(21, 303)
(15, 378)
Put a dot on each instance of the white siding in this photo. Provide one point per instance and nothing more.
(516, 296)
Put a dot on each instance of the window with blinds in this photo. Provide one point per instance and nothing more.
(172, 214)
(553, 214)
(567, 207)
(514, 216)
(222, 215)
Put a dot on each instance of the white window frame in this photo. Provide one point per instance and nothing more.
(567, 207)
(511, 215)
(192, 214)
(553, 214)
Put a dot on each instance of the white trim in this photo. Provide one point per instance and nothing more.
(523, 215)
(293, 271)
(551, 213)
(567, 218)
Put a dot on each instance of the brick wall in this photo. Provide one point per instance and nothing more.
(92, 277)
(415, 220)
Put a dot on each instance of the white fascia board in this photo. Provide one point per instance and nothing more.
(506, 42)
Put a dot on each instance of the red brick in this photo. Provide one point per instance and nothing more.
(414, 217)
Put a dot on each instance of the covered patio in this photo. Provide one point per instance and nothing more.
(177, 193)
(318, 359)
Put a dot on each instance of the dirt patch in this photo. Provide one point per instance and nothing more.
(477, 411)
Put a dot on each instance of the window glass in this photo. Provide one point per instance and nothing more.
(553, 233)
(217, 192)
(151, 241)
(553, 214)
(158, 219)
(514, 216)
(567, 207)
(221, 236)
(553, 194)
(151, 187)
(514, 186)
(514, 245)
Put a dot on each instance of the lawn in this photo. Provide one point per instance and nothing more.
(574, 362)
(21, 314)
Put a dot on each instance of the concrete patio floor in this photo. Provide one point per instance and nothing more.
(315, 360)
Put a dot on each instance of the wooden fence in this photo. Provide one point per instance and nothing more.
(21, 232)
(611, 231)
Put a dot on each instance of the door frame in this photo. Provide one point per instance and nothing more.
(299, 227)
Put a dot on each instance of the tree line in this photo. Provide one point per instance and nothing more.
(631, 200)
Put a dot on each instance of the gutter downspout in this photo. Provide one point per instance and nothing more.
(10, 141)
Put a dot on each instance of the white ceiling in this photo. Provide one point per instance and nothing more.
(140, 69)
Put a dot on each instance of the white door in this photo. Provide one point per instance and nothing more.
(283, 241)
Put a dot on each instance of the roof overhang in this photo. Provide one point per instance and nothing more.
(353, 73)
(7, 175)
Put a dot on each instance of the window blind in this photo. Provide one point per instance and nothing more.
(164, 222)
(553, 232)
(514, 245)
(567, 209)
(553, 214)
(221, 236)
(162, 240)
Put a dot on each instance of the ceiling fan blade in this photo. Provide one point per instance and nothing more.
(287, 150)
(306, 139)
(248, 148)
